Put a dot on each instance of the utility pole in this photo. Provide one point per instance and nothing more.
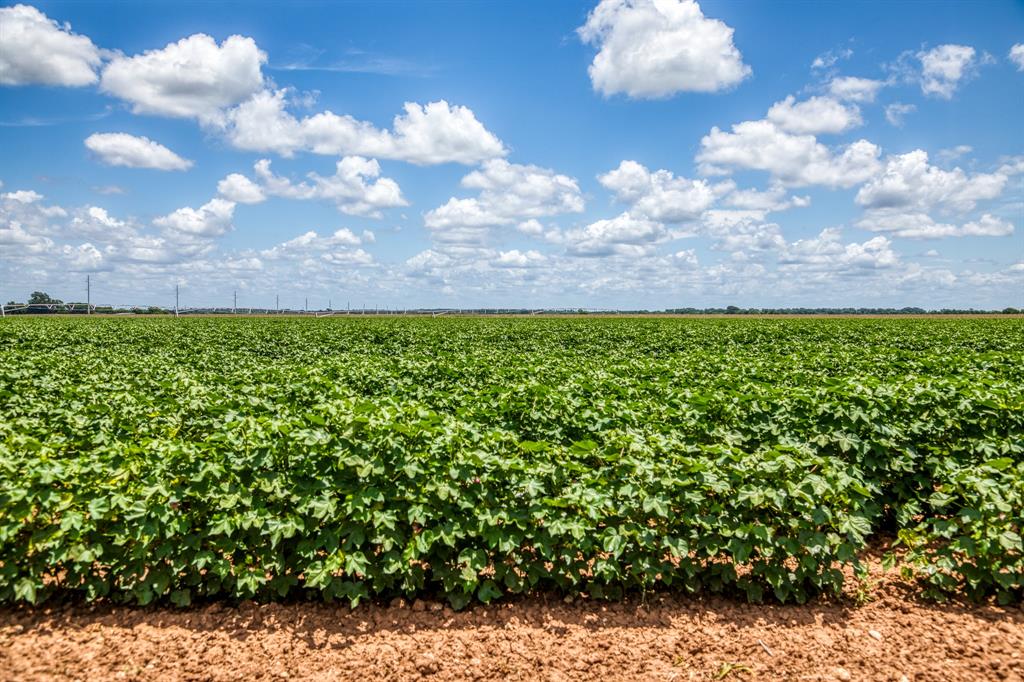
(234, 304)
(88, 296)
(277, 302)
(305, 306)
(329, 304)
(175, 300)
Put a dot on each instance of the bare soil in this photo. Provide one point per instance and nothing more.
(880, 633)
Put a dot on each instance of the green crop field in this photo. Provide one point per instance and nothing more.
(186, 459)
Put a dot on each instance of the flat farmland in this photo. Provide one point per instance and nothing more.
(494, 463)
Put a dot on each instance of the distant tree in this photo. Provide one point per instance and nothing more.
(41, 297)
(732, 310)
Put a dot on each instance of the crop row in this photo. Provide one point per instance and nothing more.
(184, 459)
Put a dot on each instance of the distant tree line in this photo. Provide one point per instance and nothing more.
(734, 310)
(41, 299)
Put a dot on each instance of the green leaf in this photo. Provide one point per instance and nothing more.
(1010, 540)
(181, 597)
(488, 591)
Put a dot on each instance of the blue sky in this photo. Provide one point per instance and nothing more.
(627, 153)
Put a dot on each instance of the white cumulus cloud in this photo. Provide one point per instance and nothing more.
(656, 48)
(339, 248)
(83, 258)
(772, 199)
(854, 89)
(908, 181)
(212, 219)
(814, 116)
(356, 187)
(240, 189)
(943, 67)
(425, 134)
(519, 259)
(625, 234)
(920, 225)
(96, 222)
(827, 251)
(793, 160)
(901, 198)
(508, 193)
(22, 196)
(37, 49)
(122, 149)
(659, 195)
(192, 78)
(1016, 56)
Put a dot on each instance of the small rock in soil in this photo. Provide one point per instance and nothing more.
(426, 663)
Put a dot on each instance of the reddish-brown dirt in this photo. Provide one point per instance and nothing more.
(891, 637)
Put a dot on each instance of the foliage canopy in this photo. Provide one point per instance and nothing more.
(347, 458)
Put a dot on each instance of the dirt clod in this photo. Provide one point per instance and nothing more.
(426, 663)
